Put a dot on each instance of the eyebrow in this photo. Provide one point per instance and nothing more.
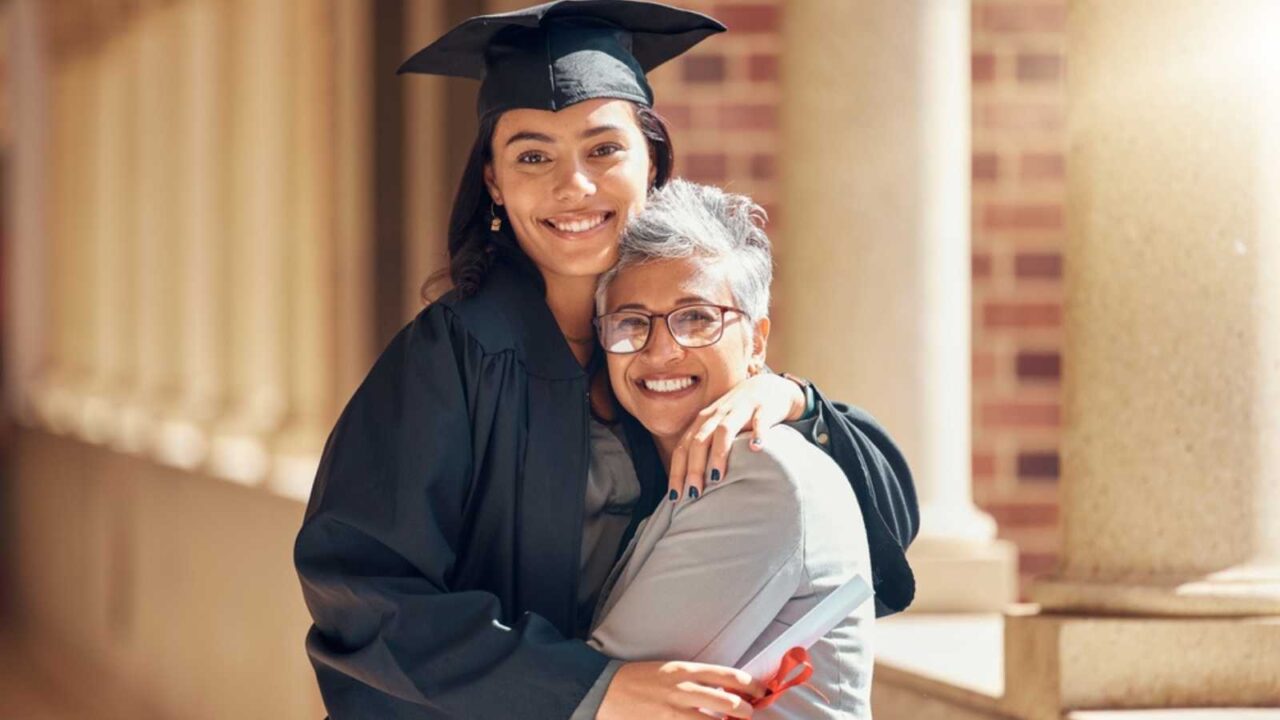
(599, 130)
(529, 135)
(686, 300)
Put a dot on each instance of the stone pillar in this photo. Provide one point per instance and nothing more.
(1169, 588)
(25, 306)
(153, 355)
(1172, 393)
(429, 181)
(68, 297)
(312, 346)
(873, 271)
(110, 169)
(255, 288)
(353, 155)
(202, 232)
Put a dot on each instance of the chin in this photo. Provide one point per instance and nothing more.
(593, 268)
(587, 265)
(663, 424)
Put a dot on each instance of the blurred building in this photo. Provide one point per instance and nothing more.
(1059, 294)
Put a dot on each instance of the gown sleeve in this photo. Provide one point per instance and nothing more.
(391, 638)
(886, 493)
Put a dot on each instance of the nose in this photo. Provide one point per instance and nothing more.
(662, 348)
(574, 183)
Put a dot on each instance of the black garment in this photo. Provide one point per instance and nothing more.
(439, 551)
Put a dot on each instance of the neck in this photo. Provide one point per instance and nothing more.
(666, 448)
(572, 303)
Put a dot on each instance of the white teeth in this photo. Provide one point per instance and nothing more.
(668, 385)
(580, 224)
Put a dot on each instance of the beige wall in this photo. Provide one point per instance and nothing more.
(156, 583)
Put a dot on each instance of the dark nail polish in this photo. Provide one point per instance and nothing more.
(693, 493)
(673, 496)
(715, 474)
(756, 443)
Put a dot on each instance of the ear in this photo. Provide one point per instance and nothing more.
(760, 342)
(491, 184)
(653, 172)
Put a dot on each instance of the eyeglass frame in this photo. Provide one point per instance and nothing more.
(666, 320)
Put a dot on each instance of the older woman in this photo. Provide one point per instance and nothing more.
(684, 318)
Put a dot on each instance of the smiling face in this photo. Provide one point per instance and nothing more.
(568, 181)
(665, 385)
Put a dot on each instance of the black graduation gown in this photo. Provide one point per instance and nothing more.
(439, 551)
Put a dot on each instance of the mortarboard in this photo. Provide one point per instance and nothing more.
(553, 55)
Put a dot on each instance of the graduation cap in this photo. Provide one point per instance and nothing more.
(553, 55)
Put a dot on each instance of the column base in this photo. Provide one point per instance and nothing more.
(1057, 663)
(181, 443)
(954, 575)
(1246, 590)
(239, 457)
(241, 443)
(183, 437)
(99, 416)
(137, 426)
(55, 407)
(296, 458)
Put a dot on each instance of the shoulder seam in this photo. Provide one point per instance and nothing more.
(456, 319)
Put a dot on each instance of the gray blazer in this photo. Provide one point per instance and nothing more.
(716, 579)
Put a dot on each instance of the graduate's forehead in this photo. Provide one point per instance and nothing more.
(581, 121)
(659, 285)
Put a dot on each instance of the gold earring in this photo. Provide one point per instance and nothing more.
(496, 223)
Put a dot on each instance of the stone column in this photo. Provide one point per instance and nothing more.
(429, 182)
(312, 345)
(873, 281)
(60, 389)
(154, 354)
(258, 212)
(1169, 588)
(25, 242)
(353, 156)
(202, 232)
(111, 171)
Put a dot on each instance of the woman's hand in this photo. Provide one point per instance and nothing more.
(761, 401)
(661, 690)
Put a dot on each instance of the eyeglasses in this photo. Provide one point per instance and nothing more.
(691, 326)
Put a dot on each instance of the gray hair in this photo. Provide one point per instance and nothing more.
(687, 220)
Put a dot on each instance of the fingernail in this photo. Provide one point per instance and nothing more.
(715, 474)
(757, 443)
(693, 493)
(673, 496)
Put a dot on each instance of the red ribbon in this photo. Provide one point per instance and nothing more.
(787, 677)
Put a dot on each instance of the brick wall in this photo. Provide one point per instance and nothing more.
(1018, 231)
(721, 102)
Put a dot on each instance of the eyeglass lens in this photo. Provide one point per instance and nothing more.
(692, 327)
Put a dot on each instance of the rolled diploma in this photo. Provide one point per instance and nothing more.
(819, 621)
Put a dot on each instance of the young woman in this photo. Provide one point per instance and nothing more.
(684, 318)
(467, 507)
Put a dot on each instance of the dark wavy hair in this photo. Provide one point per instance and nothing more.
(473, 246)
